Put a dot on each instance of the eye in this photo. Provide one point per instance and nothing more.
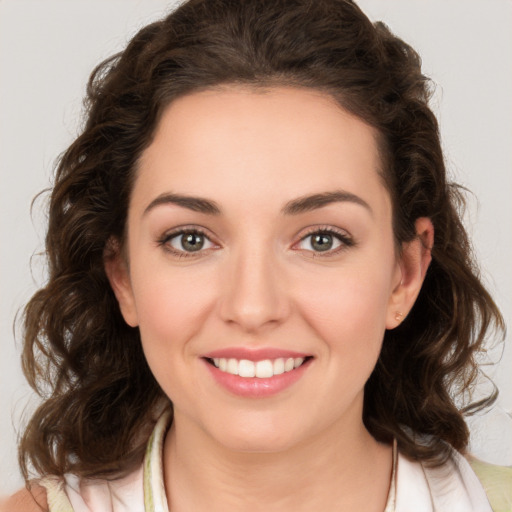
(326, 241)
(185, 242)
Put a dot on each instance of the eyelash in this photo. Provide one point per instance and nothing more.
(346, 240)
(343, 237)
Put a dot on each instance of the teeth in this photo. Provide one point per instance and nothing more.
(246, 369)
(264, 369)
(260, 369)
(232, 366)
(278, 366)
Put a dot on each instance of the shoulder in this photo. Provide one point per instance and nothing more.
(26, 501)
(70, 492)
(497, 482)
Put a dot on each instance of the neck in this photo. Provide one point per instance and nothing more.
(336, 467)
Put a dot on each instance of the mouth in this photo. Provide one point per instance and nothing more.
(263, 369)
(256, 373)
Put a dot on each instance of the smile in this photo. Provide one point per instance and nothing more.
(256, 373)
(264, 369)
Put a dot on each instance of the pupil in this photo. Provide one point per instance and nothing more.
(192, 242)
(322, 242)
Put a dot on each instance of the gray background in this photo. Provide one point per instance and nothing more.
(47, 50)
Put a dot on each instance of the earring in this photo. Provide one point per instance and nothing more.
(399, 317)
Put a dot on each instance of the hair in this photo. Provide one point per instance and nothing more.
(100, 399)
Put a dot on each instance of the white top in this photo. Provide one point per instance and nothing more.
(453, 487)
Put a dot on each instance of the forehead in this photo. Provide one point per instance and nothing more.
(280, 143)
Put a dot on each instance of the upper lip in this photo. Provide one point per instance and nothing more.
(254, 354)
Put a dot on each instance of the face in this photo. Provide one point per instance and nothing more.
(260, 242)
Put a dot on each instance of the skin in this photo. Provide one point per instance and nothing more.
(25, 500)
(258, 282)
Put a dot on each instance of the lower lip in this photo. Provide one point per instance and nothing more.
(254, 387)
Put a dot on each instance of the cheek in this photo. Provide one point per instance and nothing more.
(349, 316)
(348, 310)
(170, 307)
(171, 312)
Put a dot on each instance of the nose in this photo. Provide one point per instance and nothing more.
(254, 293)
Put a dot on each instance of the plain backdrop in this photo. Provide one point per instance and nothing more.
(47, 50)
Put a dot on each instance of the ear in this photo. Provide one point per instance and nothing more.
(118, 274)
(414, 260)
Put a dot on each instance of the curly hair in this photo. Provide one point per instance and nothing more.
(100, 399)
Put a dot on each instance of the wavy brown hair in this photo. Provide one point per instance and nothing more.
(99, 396)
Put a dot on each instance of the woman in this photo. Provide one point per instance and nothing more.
(256, 227)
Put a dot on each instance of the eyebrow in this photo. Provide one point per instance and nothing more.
(293, 207)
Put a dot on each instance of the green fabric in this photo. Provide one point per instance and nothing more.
(497, 482)
(149, 501)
